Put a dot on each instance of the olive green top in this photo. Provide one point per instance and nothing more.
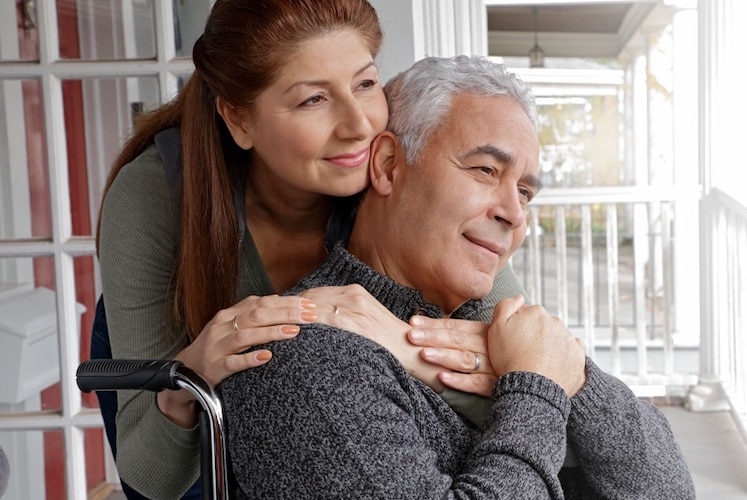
(137, 251)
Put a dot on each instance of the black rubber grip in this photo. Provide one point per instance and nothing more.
(116, 374)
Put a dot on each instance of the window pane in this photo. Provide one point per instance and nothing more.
(95, 30)
(29, 453)
(29, 359)
(19, 38)
(581, 142)
(24, 180)
(98, 114)
(189, 18)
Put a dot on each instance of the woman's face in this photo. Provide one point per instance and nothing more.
(313, 126)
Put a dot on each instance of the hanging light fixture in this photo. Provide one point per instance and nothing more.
(536, 54)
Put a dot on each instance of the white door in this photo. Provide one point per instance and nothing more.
(72, 74)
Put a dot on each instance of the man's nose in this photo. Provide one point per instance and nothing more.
(353, 122)
(507, 207)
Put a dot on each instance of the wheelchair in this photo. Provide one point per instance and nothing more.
(158, 375)
(105, 375)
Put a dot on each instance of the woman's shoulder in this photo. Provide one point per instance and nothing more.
(141, 184)
(139, 197)
(146, 168)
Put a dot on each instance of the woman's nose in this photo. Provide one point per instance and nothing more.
(353, 121)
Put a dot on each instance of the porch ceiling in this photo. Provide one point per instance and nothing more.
(581, 28)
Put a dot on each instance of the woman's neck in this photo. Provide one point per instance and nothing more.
(271, 200)
(287, 225)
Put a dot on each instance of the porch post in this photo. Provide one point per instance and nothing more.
(414, 29)
(715, 104)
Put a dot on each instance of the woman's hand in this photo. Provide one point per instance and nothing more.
(219, 350)
(353, 309)
(459, 346)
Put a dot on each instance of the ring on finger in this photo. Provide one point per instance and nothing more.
(477, 363)
(236, 323)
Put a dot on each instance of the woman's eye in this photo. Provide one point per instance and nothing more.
(367, 84)
(312, 100)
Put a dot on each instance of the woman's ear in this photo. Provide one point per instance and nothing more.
(384, 159)
(235, 123)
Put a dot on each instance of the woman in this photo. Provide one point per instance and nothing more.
(275, 125)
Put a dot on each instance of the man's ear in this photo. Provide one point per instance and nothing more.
(385, 154)
(235, 123)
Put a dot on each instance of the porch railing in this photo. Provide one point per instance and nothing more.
(602, 259)
(723, 376)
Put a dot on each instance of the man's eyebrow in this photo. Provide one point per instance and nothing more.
(506, 158)
(312, 83)
(499, 154)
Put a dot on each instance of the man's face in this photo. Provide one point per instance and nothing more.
(461, 210)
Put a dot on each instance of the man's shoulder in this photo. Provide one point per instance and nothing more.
(318, 356)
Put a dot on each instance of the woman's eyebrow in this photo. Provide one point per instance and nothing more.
(315, 83)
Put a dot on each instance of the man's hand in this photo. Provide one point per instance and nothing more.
(529, 339)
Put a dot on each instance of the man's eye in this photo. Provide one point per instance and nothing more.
(526, 194)
(485, 169)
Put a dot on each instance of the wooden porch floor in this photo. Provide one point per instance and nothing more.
(714, 450)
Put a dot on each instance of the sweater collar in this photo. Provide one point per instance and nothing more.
(343, 268)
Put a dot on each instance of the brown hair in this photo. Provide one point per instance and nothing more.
(241, 52)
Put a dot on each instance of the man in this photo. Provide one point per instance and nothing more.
(337, 416)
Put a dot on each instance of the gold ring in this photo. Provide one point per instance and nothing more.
(477, 363)
(236, 323)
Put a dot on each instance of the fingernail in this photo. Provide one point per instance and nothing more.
(263, 355)
(429, 352)
(307, 304)
(445, 377)
(308, 316)
(417, 335)
(290, 329)
(417, 321)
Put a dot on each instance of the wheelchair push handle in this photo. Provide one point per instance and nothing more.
(116, 374)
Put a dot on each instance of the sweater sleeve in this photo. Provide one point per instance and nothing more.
(328, 419)
(624, 446)
(136, 256)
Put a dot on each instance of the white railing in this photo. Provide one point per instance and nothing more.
(602, 260)
(723, 374)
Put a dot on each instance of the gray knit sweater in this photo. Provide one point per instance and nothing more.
(335, 415)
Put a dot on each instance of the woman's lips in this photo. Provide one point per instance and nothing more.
(349, 160)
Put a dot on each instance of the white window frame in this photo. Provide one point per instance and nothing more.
(72, 418)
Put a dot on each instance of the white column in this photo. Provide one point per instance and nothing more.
(721, 40)
(414, 29)
(685, 156)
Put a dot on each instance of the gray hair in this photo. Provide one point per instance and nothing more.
(419, 97)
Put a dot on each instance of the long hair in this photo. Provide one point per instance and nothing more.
(243, 49)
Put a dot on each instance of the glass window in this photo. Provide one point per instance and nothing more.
(98, 114)
(29, 453)
(580, 142)
(29, 359)
(19, 37)
(24, 179)
(189, 20)
(117, 29)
